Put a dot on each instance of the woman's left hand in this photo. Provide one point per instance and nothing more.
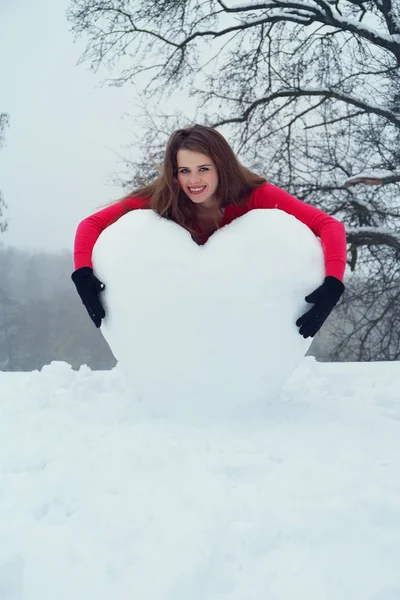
(324, 299)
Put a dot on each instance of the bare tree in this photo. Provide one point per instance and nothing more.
(308, 91)
(4, 120)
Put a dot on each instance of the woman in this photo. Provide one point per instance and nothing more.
(203, 187)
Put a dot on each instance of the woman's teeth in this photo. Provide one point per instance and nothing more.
(197, 190)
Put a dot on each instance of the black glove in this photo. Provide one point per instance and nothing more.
(324, 299)
(89, 287)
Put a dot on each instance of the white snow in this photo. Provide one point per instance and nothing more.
(216, 321)
(99, 500)
(375, 174)
(384, 231)
(296, 497)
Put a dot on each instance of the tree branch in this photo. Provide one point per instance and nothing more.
(373, 178)
(327, 93)
(373, 236)
(325, 13)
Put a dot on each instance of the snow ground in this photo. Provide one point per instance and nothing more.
(99, 500)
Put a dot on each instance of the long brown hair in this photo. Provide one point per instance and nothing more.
(235, 181)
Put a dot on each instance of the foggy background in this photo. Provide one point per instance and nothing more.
(64, 141)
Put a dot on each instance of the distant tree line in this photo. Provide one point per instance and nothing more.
(41, 316)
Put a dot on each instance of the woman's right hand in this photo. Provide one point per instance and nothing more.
(89, 288)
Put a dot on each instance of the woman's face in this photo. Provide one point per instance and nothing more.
(197, 176)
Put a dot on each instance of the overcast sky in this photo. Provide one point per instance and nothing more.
(66, 137)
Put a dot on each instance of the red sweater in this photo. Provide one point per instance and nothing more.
(330, 231)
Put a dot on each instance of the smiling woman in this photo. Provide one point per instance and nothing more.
(203, 187)
(194, 157)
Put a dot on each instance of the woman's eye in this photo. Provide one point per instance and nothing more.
(186, 170)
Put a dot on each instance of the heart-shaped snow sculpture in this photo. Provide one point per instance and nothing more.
(206, 329)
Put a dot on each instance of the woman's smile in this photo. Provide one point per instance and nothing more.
(197, 190)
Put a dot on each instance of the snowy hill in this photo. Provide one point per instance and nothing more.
(100, 501)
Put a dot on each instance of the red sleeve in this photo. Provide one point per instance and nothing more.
(90, 228)
(331, 232)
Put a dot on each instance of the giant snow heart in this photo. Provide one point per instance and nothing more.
(206, 329)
